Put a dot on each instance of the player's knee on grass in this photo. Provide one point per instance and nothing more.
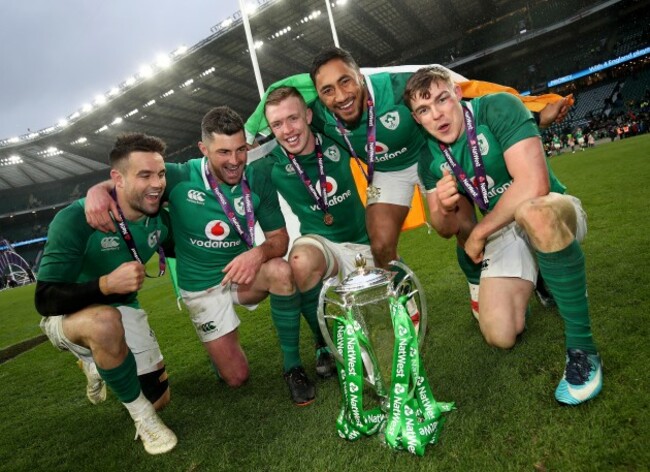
(497, 333)
(155, 387)
(235, 377)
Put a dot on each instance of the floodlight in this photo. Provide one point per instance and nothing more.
(86, 107)
(146, 71)
(180, 51)
(163, 61)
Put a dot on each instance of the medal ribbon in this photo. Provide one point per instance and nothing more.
(480, 195)
(125, 232)
(321, 199)
(371, 140)
(247, 236)
(414, 418)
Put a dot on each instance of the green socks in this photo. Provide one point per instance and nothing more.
(564, 274)
(471, 270)
(123, 379)
(309, 308)
(285, 312)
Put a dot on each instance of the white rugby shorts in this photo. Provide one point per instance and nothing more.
(139, 337)
(212, 311)
(396, 187)
(341, 254)
(508, 252)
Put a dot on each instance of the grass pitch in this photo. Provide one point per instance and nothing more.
(507, 418)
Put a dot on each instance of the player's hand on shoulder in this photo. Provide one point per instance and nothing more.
(97, 206)
(127, 278)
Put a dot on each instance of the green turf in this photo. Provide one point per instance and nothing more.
(507, 418)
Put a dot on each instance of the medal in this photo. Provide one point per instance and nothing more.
(372, 192)
(319, 198)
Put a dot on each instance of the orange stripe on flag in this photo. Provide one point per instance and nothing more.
(478, 88)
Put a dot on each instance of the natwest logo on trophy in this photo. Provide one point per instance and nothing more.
(217, 230)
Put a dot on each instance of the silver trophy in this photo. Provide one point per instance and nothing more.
(365, 295)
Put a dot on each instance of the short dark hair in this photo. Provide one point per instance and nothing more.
(282, 93)
(127, 143)
(327, 55)
(420, 82)
(221, 120)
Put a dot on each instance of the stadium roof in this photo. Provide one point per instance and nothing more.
(171, 102)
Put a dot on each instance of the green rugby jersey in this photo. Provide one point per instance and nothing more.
(501, 121)
(76, 253)
(342, 195)
(400, 141)
(204, 238)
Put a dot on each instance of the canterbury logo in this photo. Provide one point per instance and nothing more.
(196, 196)
(207, 327)
(110, 242)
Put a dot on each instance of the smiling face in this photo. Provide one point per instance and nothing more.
(226, 156)
(139, 183)
(340, 88)
(289, 120)
(439, 111)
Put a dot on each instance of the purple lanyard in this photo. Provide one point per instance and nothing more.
(371, 140)
(480, 195)
(321, 199)
(247, 237)
(130, 243)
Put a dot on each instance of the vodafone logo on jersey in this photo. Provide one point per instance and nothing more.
(330, 186)
(380, 148)
(217, 230)
(383, 153)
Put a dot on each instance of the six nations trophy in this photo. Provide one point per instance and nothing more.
(377, 345)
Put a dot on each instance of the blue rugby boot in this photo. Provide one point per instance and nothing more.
(582, 380)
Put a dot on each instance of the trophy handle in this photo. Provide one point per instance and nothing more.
(411, 277)
(322, 317)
